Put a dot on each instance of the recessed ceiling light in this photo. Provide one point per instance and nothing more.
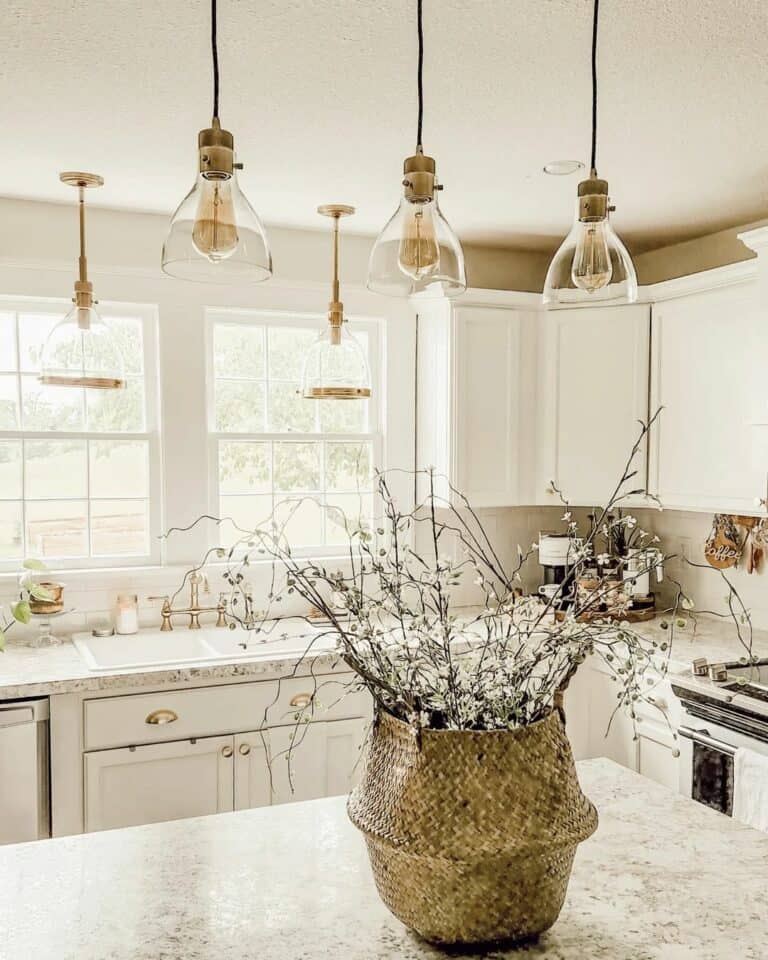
(562, 168)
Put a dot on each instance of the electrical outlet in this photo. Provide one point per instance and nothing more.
(685, 548)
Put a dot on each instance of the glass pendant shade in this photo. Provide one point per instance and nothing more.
(335, 367)
(592, 265)
(81, 351)
(417, 252)
(216, 235)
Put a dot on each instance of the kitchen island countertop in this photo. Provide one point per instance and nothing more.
(662, 879)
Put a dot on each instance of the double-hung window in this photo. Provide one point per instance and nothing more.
(306, 465)
(79, 469)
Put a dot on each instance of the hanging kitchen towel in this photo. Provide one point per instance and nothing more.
(750, 789)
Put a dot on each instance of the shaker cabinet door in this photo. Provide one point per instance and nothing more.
(476, 401)
(253, 785)
(595, 390)
(706, 375)
(157, 782)
(316, 759)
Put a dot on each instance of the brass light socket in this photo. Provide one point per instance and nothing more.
(217, 152)
(593, 200)
(83, 297)
(419, 178)
(335, 320)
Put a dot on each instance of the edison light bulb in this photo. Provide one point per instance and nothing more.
(592, 268)
(214, 234)
(419, 252)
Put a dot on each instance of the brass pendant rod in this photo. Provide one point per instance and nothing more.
(335, 294)
(83, 263)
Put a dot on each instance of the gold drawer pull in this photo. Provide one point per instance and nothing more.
(301, 700)
(162, 716)
(227, 752)
(245, 749)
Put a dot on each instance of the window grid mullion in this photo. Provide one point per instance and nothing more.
(23, 437)
(323, 489)
(267, 405)
(368, 437)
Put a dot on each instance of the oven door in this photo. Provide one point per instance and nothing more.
(706, 761)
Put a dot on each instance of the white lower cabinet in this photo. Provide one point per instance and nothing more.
(138, 782)
(657, 753)
(158, 781)
(597, 729)
(287, 764)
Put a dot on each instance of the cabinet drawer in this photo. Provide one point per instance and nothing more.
(330, 700)
(207, 711)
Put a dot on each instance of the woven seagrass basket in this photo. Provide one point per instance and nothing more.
(472, 834)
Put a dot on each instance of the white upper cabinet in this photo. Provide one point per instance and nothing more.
(705, 374)
(512, 398)
(475, 397)
(594, 392)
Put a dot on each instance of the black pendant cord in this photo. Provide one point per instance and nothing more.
(593, 162)
(215, 54)
(420, 71)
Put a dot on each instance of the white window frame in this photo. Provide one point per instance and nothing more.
(303, 320)
(148, 315)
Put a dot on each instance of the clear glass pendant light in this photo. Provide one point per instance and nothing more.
(215, 234)
(417, 252)
(592, 264)
(81, 350)
(335, 367)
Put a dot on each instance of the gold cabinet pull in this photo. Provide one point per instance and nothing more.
(227, 751)
(162, 716)
(301, 700)
(245, 749)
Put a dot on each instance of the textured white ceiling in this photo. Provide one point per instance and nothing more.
(320, 95)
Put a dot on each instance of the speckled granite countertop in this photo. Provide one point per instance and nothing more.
(27, 672)
(663, 878)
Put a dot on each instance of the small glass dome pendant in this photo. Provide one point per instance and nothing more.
(335, 367)
(592, 264)
(417, 252)
(81, 350)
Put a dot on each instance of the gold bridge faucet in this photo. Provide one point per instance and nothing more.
(194, 609)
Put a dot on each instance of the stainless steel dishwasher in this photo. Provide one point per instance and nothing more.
(25, 810)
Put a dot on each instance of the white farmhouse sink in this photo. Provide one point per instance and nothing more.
(182, 647)
(239, 645)
(145, 649)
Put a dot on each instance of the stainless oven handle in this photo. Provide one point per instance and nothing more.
(703, 737)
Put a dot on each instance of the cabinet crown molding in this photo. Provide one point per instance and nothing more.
(756, 239)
